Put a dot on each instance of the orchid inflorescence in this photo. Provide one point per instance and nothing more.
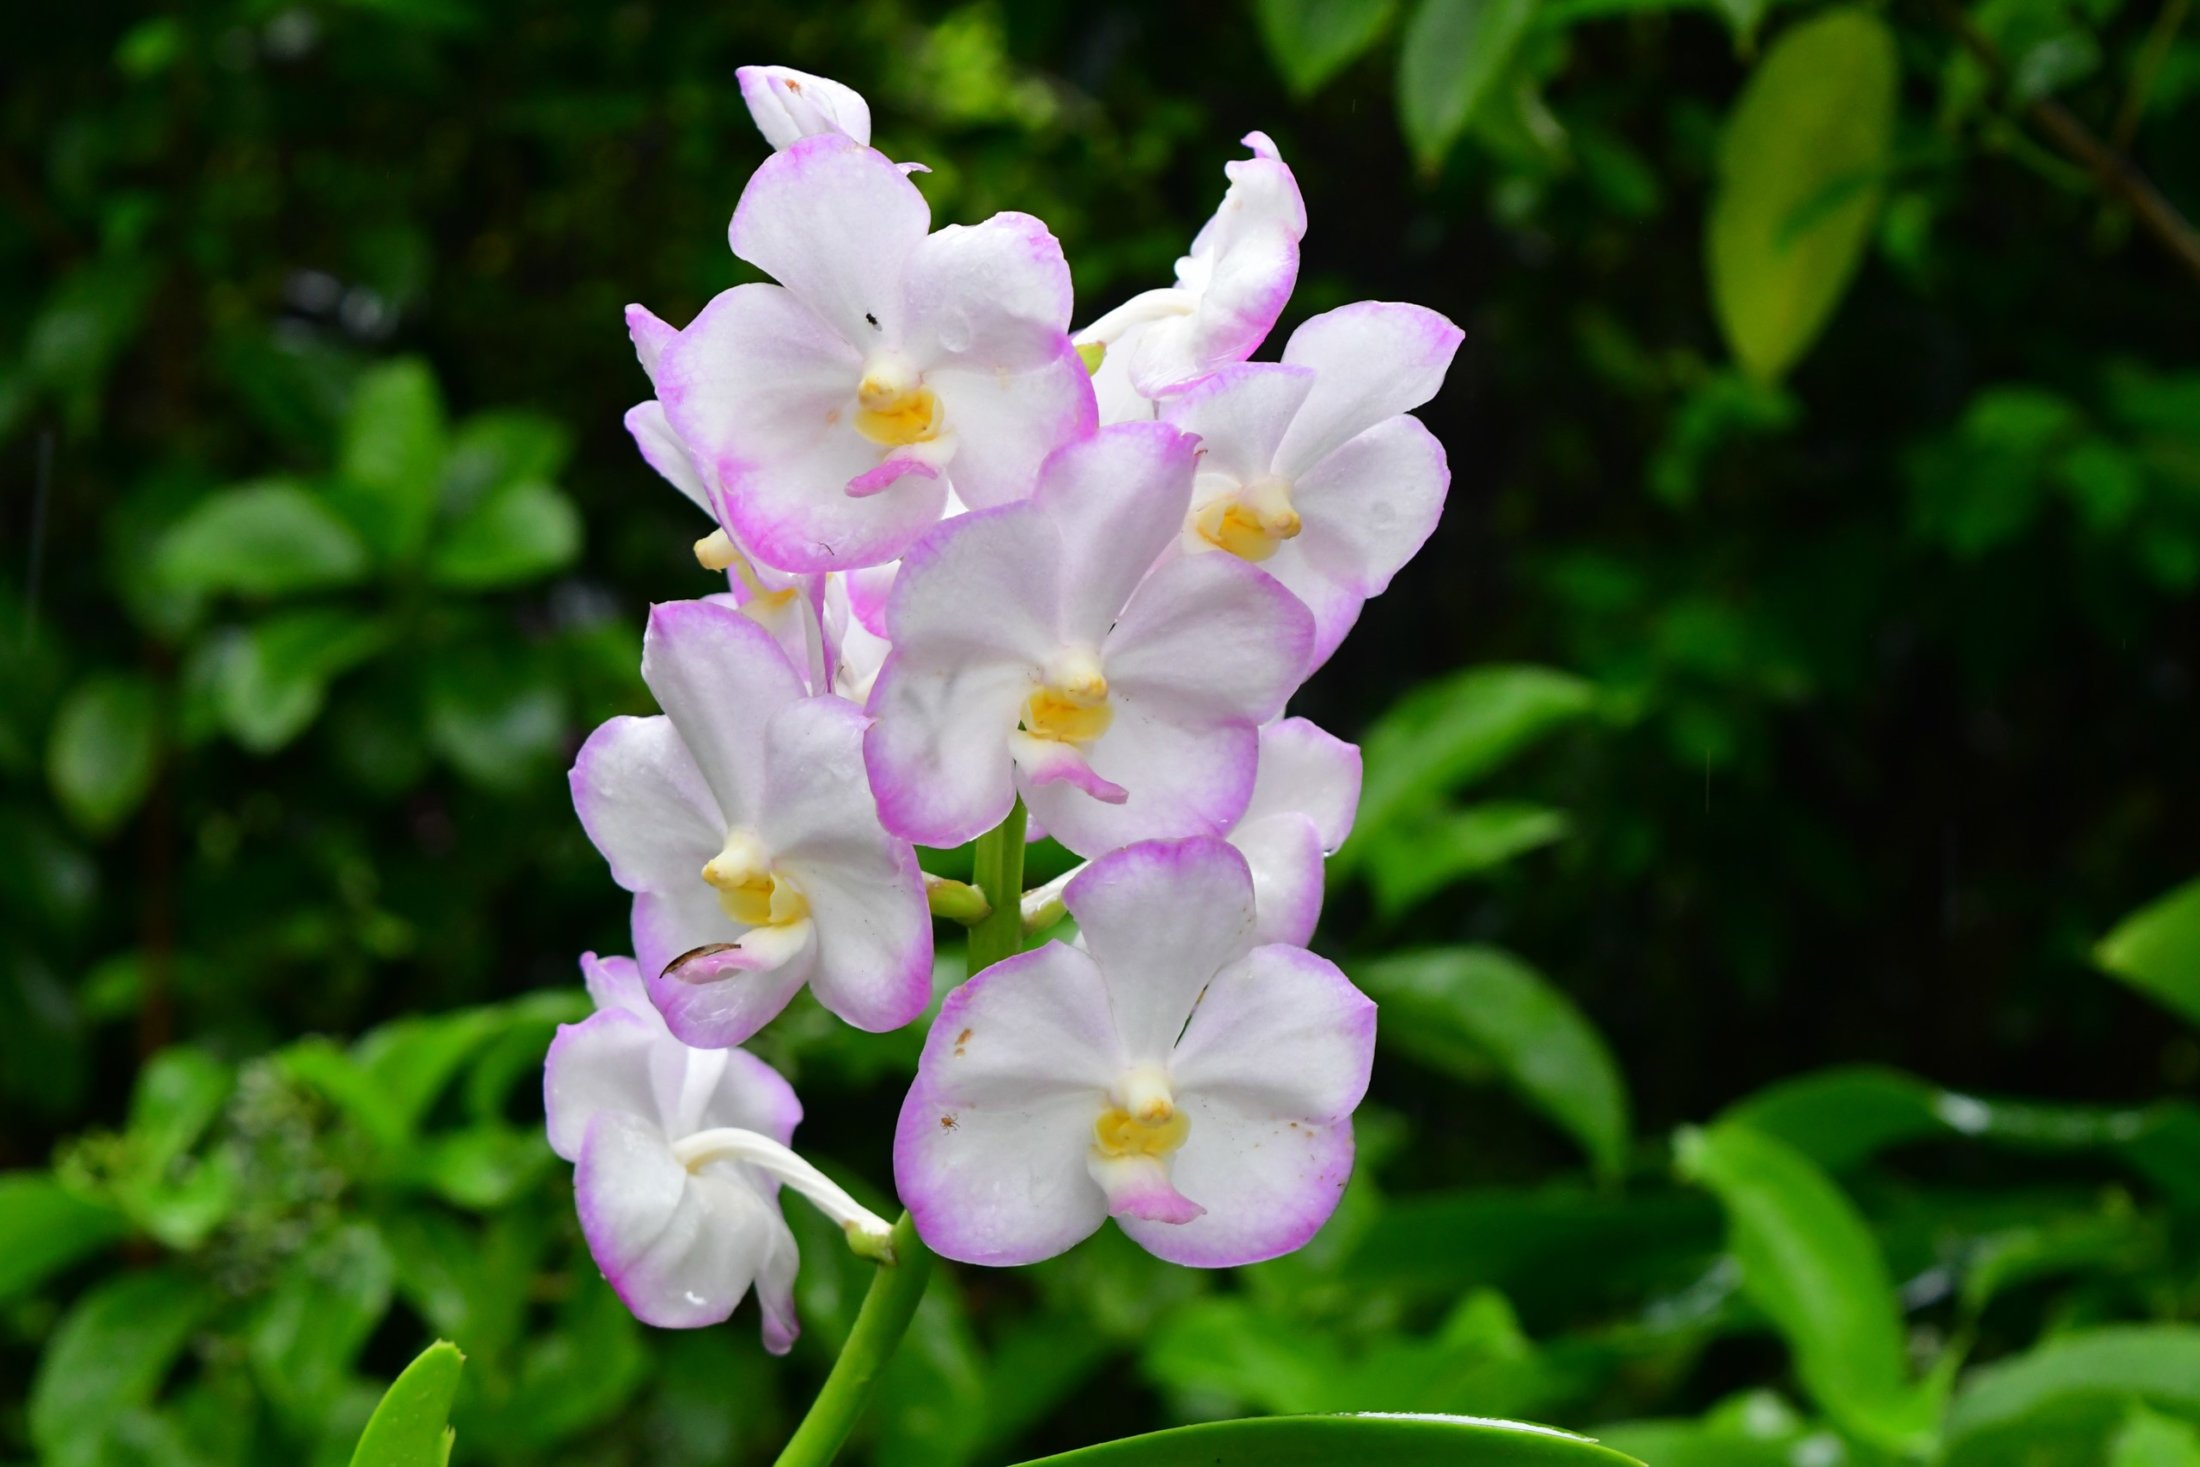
(979, 564)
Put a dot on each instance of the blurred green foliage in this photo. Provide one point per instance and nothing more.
(1793, 705)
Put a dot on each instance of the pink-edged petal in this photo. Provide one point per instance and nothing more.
(791, 105)
(1285, 852)
(994, 296)
(761, 389)
(794, 622)
(865, 892)
(937, 751)
(1307, 770)
(1160, 919)
(616, 983)
(989, 1152)
(979, 588)
(718, 993)
(1371, 361)
(664, 452)
(1242, 267)
(1139, 1186)
(644, 803)
(1240, 414)
(1041, 762)
(744, 1092)
(1371, 505)
(650, 336)
(1118, 499)
(835, 222)
(602, 1064)
(1006, 423)
(1180, 778)
(1209, 636)
(680, 1248)
(1267, 1184)
(720, 677)
(673, 921)
(1271, 1067)
(867, 591)
(1282, 1032)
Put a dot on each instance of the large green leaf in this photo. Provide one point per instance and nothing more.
(1809, 1262)
(390, 471)
(1312, 40)
(271, 680)
(1452, 56)
(1324, 1441)
(2150, 1439)
(1474, 1010)
(44, 1227)
(1422, 856)
(1800, 170)
(276, 537)
(2157, 950)
(519, 532)
(411, 1426)
(314, 1321)
(1453, 731)
(108, 1358)
(2057, 1405)
(104, 749)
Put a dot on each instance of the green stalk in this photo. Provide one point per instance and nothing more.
(898, 1286)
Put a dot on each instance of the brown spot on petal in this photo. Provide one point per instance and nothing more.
(707, 950)
(947, 1123)
(961, 1040)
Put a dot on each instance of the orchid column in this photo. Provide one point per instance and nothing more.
(984, 578)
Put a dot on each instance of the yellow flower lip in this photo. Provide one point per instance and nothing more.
(893, 406)
(750, 890)
(1071, 705)
(1142, 1118)
(1251, 521)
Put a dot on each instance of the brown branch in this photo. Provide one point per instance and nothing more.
(2115, 173)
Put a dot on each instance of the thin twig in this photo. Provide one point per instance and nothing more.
(2112, 171)
(2167, 22)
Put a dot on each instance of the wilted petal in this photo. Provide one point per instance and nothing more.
(989, 1154)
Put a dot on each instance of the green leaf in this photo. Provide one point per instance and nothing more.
(104, 749)
(1800, 170)
(107, 1358)
(1757, 1429)
(1452, 55)
(2148, 1439)
(491, 451)
(1469, 1009)
(273, 537)
(1323, 1441)
(518, 533)
(411, 1426)
(500, 719)
(1312, 40)
(391, 467)
(2060, 1403)
(1455, 730)
(1809, 1262)
(271, 679)
(313, 1323)
(2157, 951)
(44, 1228)
(1416, 860)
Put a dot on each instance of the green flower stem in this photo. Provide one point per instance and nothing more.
(899, 1284)
(880, 1324)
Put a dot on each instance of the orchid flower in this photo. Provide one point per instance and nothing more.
(1229, 291)
(1173, 1074)
(1032, 653)
(678, 1155)
(1312, 468)
(791, 105)
(741, 822)
(1304, 799)
(831, 405)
